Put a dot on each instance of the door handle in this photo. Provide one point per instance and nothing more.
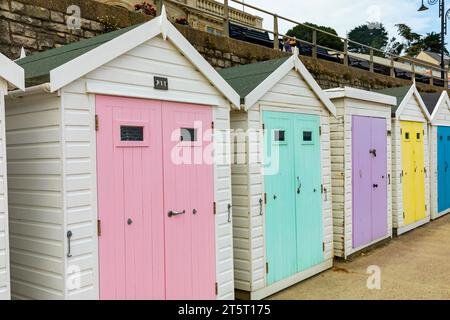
(69, 237)
(175, 213)
(299, 185)
(446, 166)
(375, 186)
(129, 222)
(373, 152)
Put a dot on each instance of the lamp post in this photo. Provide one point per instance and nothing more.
(444, 15)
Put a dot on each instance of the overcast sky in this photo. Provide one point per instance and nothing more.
(343, 15)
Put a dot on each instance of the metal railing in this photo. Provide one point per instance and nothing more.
(349, 53)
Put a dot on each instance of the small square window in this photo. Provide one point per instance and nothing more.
(448, 138)
(279, 135)
(407, 136)
(307, 136)
(131, 133)
(188, 134)
(418, 136)
(441, 138)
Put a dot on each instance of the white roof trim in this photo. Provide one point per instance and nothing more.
(443, 101)
(412, 92)
(359, 94)
(12, 73)
(292, 63)
(82, 65)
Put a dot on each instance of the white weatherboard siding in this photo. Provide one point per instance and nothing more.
(132, 75)
(5, 288)
(291, 94)
(341, 164)
(412, 112)
(35, 197)
(441, 117)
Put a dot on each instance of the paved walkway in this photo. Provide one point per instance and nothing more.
(414, 266)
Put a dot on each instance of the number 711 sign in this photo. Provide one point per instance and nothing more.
(161, 83)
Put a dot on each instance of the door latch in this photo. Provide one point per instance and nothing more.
(69, 237)
(299, 185)
(373, 152)
(129, 222)
(175, 213)
(260, 206)
(229, 212)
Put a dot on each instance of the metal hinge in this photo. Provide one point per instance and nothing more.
(321, 188)
(401, 131)
(265, 198)
(320, 130)
(404, 215)
(426, 207)
(323, 246)
(267, 267)
(212, 125)
(216, 286)
(389, 133)
(214, 208)
(263, 126)
(99, 228)
(96, 122)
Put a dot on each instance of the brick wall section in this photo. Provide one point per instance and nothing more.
(39, 25)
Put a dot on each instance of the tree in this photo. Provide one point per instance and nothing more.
(413, 43)
(370, 34)
(302, 32)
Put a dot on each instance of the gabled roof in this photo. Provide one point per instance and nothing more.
(38, 66)
(403, 95)
(435, 102)
(11, 72)
(64, 65)
(253, 81)
(431, 100)
(244, 79)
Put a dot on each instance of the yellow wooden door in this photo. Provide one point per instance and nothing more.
(413, 167)
(409, 213)
(419, 170)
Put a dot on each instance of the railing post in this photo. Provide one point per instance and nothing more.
(226, 19)
(431, 79)
(413, 77)
(371, 68)
(446, 79)
(346, 52)
(276, 40)
(392, 69)
(314, 44)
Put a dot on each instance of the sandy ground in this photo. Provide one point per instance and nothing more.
(415, 265)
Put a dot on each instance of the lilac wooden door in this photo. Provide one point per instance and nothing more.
(188, 202)
(369, 156)
(130, 205)
(379, 178)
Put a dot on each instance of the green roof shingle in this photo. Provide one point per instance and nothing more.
(397, 92)
(244, 79)
(38, 66)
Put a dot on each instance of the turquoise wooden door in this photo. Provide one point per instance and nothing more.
(281, 236)
(293, 194)
(308, 176)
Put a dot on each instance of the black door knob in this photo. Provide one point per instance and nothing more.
(130, 222)
(375, 186)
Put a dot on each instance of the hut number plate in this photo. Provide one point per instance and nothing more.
(161, 83)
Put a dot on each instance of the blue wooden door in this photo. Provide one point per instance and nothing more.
(293, 194)
(443, 168)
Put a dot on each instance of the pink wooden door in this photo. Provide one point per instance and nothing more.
(189, 197)
(130, 199)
